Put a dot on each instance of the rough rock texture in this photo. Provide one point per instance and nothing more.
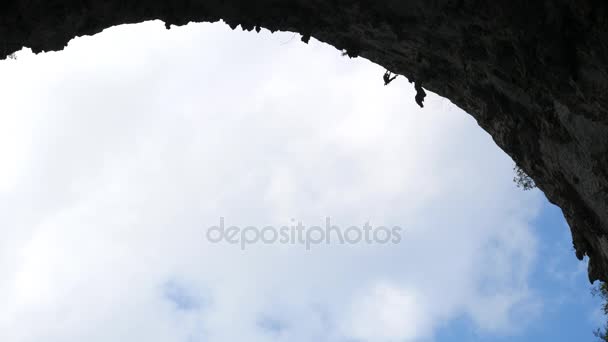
(533, 73)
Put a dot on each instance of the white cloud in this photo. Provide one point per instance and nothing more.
(132, 142)
(389, 314)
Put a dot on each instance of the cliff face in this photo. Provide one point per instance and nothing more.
(534, 74)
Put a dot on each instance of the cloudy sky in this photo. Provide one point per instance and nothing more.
(118, 153)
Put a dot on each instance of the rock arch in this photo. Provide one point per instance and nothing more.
(534, 74)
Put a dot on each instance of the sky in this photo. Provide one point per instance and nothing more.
(119, 153)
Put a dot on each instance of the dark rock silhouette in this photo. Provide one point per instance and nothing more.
(532, 73)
